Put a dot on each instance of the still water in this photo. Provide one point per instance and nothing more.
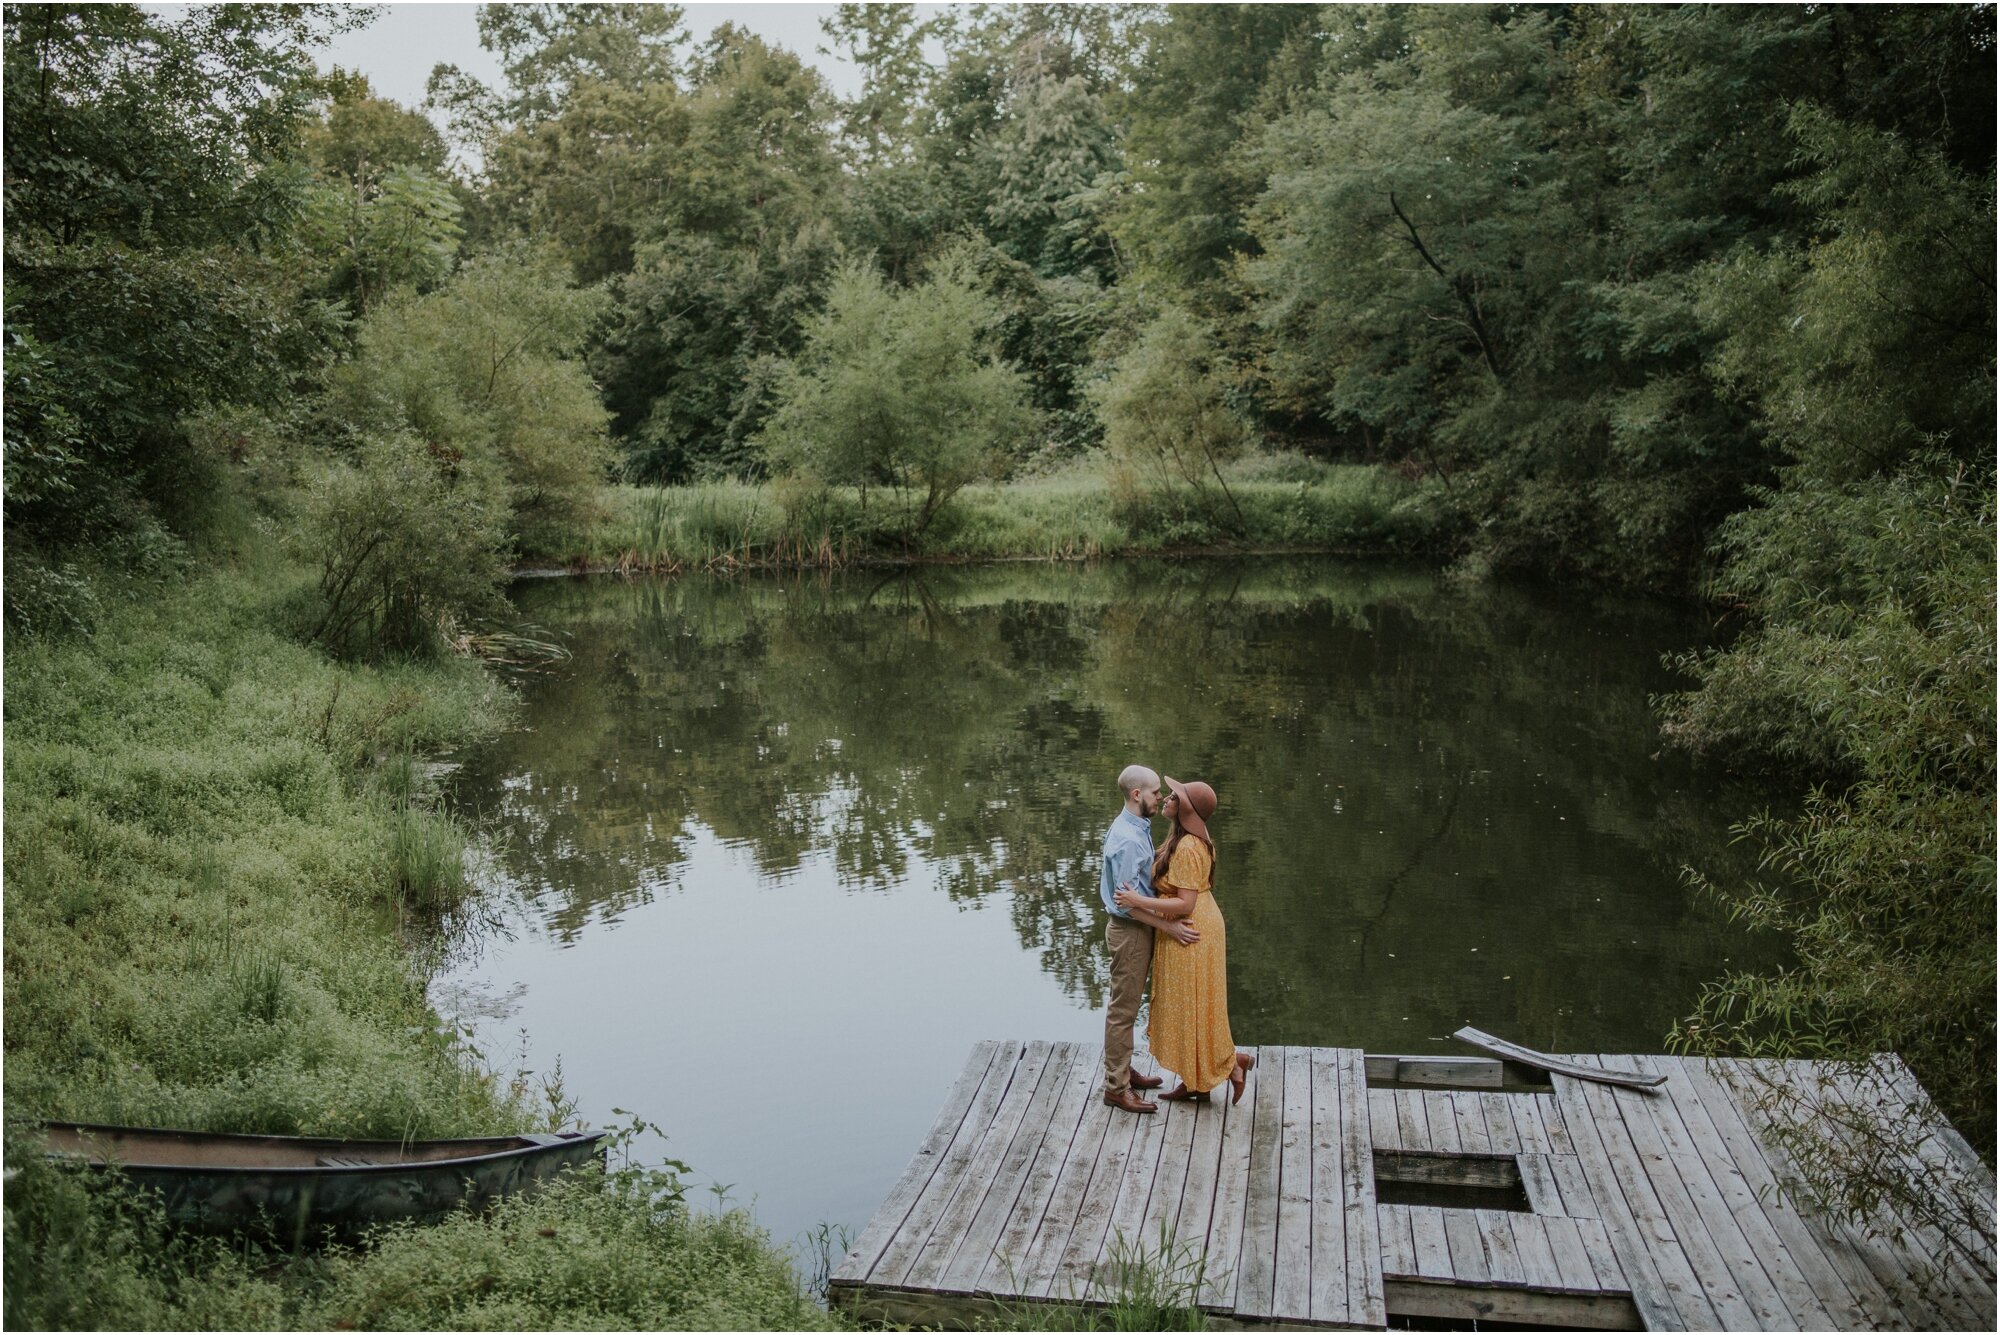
(773, 853)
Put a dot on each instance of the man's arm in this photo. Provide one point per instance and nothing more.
(1183, 932)
(1130, 898)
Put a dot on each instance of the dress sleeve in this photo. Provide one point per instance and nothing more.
(1191, 865)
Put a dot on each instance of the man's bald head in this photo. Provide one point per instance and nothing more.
(1139, 777)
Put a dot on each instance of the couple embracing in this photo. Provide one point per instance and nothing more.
(1164, 921)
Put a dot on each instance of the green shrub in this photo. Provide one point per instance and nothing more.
(1873, 669)
(896, 390)
(1169, 433)
(487, 371)
(586, 1253)
(401, 546)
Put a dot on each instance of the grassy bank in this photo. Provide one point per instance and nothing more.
(219, 853)
(1281, 503)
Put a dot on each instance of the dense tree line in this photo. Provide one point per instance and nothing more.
(1676, 298)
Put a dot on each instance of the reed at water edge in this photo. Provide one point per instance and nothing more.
(1282, 505)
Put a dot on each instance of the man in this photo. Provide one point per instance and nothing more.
(1128, 861)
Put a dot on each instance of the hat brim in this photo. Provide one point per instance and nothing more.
(1184, 813)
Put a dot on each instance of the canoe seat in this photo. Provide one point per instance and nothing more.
(344, 1161)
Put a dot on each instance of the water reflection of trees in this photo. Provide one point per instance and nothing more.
(1400, 760)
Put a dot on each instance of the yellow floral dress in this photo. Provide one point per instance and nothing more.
(1189, 1026)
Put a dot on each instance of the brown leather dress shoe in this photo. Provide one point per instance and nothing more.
(1127, 1101)
(1138, 1081)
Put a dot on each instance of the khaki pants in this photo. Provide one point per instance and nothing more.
(1131, 946)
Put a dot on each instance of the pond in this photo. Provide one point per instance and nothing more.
(772, 853)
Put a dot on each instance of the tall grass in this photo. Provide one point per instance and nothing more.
(1285, 504)
(1152, 1285)
(208, 828)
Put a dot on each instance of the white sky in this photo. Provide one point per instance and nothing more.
(399, 48)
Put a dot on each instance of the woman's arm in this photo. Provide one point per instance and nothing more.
(1178, 904)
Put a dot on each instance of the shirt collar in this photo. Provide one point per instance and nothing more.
(1139, 823)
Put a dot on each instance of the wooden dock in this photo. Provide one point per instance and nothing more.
(1349, 1189)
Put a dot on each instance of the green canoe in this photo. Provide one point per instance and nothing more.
(295, 1188)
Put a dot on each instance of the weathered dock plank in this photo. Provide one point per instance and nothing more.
(1005, 1270)
(1044, 1069)
(1257, 1256)
(1697, 1146)
(1066, 1197)
(1382, 1132)
(1159, 1226)
(1360, 1214)
(1124, 1238)
(1615, 1186)
(985, 1172)
(958, 1163)
(1076, 1267)
(1291, 1292)
(1195, 1215)
(1712, 1263)
(1222, 1259)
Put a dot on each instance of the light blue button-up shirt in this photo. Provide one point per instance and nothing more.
(1128, 859)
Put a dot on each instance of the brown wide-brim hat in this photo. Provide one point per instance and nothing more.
(1196, 806)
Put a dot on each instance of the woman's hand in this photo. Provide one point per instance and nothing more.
(1128, 898)
(1182, 931)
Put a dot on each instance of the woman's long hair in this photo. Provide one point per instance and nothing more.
(1165, 856)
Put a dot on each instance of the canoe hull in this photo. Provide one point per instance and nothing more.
(297, 1204)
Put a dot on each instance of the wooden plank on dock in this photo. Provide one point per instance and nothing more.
(1363, 1260)
(1159, 1226)
(1257, 1255)
(1535, 1252)
(1729, 1277)
(986, 1174)
(1441, 1120)
(1702, 1155)
(1427, 1233)
(1399, 1248)
(1382, 1132)
(1468, 1249)
(1330, 1254)
(1572, 1260)
(1531, 1124)
(1452, 1073)
(1412, 1128)
(1195, 1216)
(1623, 1201)
(1538, 1184)
(1222, 1258)
(1916, 1272)
(957, 1163)
(1049, 1069)
(1291, 1293)
(1555, 1065)
(1067, 1196)
(1076, 1268)
(1124, 1240)
(1854, 1302)
(1688, 1264)
(1496, 1111)
(1496, 1235)
(1006, 1269)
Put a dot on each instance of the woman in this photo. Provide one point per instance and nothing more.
(1189, 1028)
